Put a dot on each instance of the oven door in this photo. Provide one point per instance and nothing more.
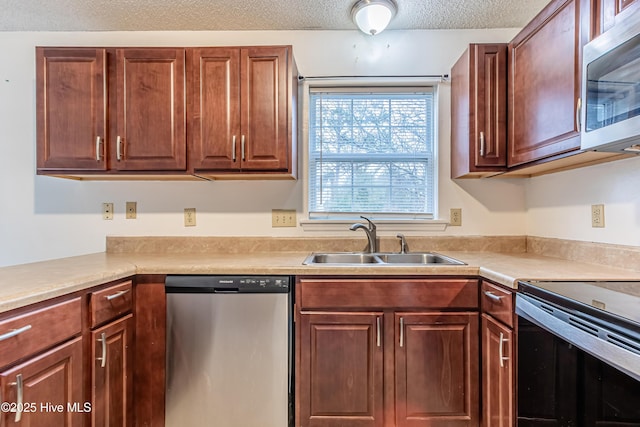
(567, 375)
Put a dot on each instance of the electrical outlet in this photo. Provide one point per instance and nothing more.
(107, 211)
(189, 217)
(131, 210)
(283, 218)
(597, 216)
(455, 218)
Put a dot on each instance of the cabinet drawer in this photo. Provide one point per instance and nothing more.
(388, 293)
(497, 302)
(38, 330)
(109, 303)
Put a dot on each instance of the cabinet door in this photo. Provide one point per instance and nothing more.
(612, 12)
(266, 108)
(479, 111)
(437, 369)
(150, 110)
(490, 135)
(497, 374)
(50, 386)
(112, 375)
(341, 370)
(71, 108)
(214, 117)
(544, 82)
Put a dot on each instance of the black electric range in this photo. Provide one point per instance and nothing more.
(578, 353)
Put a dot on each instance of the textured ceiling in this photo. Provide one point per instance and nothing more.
(165, 15)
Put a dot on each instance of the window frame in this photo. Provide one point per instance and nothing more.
(341, 221)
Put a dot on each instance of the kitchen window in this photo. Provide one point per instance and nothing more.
(372, 151)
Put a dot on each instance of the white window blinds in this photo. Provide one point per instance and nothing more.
(371, 150)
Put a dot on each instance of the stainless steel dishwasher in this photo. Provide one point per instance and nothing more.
(229, 351)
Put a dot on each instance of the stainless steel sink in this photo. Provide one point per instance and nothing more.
(342, 258)
(418, 258)
(351, 258)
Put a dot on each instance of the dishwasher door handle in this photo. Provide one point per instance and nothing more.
(226, 290)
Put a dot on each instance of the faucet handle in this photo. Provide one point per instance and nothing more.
(372, 226)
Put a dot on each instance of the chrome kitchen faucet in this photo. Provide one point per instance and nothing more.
(371, 233)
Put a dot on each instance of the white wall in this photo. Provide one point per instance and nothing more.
(559, 205)
(43, 217)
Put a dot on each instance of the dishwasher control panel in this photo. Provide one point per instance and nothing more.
(227, 284)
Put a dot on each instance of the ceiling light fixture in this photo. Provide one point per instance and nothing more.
(373, 16)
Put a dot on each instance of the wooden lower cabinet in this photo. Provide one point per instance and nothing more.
(436, 369)
(112, 375)
(403, 358)
(341, 369)
(498, 391)
(50, 388)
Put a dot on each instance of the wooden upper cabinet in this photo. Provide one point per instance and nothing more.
(110, 111)
(545, 82)
(479, 111)
(71, 101)
(611, 12)
(150, 128)
(266, 106)
(102, 110)
(242, 104)
(215, 107)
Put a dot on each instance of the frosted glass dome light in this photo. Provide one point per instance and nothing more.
(373, 16)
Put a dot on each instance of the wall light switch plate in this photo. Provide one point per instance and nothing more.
(131, 210)
(283, 218)
(189, 217)
(597, 216)
(455, 217)
(107, 211)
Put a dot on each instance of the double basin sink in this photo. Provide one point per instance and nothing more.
(380, 258)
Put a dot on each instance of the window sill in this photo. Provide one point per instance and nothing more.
(381, 224)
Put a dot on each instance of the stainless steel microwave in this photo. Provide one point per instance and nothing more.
(611, 89)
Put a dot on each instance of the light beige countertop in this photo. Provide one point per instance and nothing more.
(25, 284)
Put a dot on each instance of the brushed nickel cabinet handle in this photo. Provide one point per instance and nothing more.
(14, 332)
(242, 147)
(233, 148)
(401, 332)
(119, 148)
(19, 397)
(97, 149)
(481, 144)
(579, 114)
(501, 355)
(378, 332)
(116, 295)
(103, 359)
(493, 297)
